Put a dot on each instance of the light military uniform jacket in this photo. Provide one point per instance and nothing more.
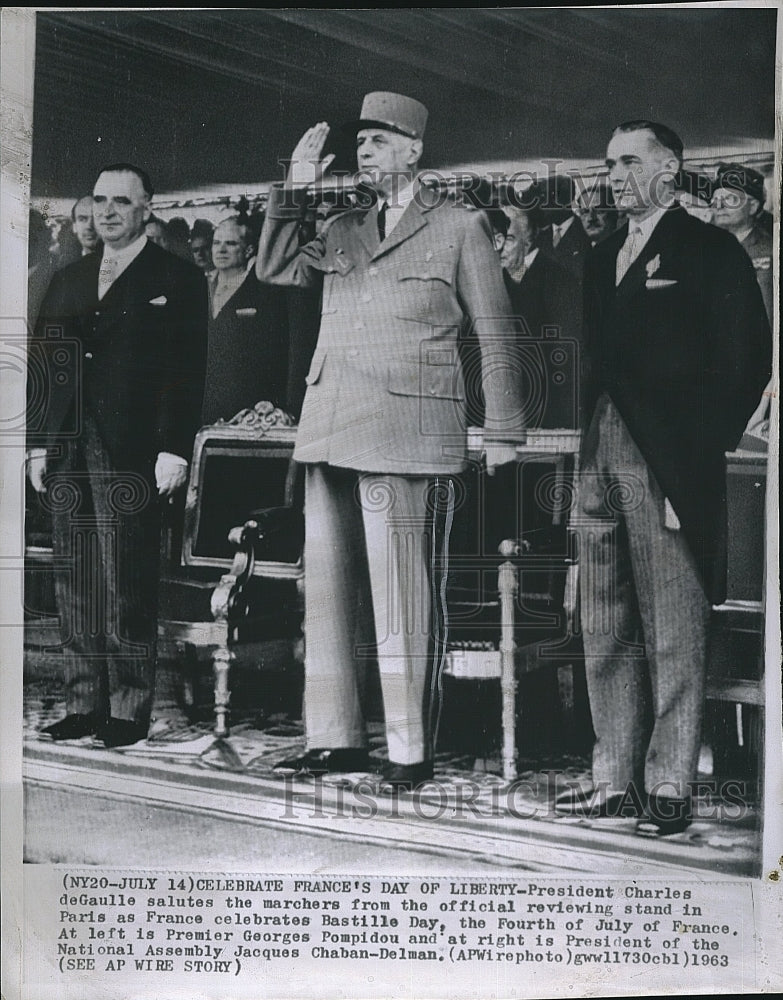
(385, 389)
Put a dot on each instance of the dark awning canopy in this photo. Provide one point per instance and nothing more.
(201, 97)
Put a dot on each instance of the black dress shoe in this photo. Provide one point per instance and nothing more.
(121, 733)
(72, 727)
(334, 760)
(405, 777)
(588, 803)
(664, 817)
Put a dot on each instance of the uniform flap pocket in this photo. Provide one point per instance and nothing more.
(656, 283)
(438, 380)
(332, 263)
(315, 369)
(426, 270)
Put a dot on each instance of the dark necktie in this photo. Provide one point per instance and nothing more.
(382, 221)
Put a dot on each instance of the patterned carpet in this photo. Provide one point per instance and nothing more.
(256, 743)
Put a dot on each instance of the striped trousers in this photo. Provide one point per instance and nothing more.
(644, 619)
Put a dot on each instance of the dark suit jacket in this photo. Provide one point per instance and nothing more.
(571, 251)
(683, 348)
(758, 246)
(134, 360)
(247, 357)
(548, 304)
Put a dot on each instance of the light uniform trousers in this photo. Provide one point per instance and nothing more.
(368, 534)
(644, 619)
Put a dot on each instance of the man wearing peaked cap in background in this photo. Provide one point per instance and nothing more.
(737, 201)
(383, 422)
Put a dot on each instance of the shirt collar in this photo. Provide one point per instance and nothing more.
(222, 277)
(563, 227)
(402, 198)
(647, 226)
(128, 253)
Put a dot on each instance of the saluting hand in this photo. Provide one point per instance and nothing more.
(306, 166)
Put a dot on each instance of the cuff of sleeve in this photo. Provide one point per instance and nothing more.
(172, 457)
(36, 453)
(286, 203)
(506, 436)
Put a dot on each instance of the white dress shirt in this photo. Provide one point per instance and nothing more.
(639, 234)
(559, 231)
(114, 262)
(222, 285)
(394, 209)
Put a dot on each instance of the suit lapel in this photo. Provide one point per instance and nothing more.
(367, 230)
(574, 240)
(238, 297)
(636, 275)
(88, 284)
(413, 219)
(545, 240)
(133, 276)
(605, 256)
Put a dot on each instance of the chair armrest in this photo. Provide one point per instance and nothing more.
(274, 534)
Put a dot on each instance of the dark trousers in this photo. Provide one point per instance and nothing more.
(106, 539)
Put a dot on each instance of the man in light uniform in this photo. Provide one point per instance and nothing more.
(383, 422)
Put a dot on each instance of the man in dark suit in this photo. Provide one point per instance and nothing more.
(84, 227)
(561, 235)
(547, 300)
(383, 422)
(122, 335)
(247, 356)
(595, 209)
(679, 349)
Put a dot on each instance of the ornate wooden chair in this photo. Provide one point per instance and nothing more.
(237, 588)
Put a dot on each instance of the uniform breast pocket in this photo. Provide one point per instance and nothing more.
(430, 379)
(422, 286)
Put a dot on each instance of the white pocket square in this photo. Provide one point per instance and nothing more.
(161, 300)
(660, 282)
(249, 311)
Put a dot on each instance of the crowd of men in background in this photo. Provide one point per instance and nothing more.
(542, 239)
(259, 337)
